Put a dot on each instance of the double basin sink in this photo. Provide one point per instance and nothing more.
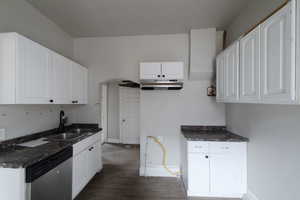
(70, 135)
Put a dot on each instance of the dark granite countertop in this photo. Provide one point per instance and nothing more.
(14, 156)
(210, 133)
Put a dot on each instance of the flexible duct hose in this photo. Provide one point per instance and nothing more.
(164, 161)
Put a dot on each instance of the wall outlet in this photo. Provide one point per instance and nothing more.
(2, 134)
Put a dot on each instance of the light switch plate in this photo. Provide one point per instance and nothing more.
(2, 134)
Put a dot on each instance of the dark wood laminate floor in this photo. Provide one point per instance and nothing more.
(120, 179)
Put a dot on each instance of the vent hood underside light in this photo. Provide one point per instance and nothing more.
(162, 85)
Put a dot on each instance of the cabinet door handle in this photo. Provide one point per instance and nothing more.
(158, 76)
(51, 100)
(90, 149)
(225, 148)
(163, 76)
(206, 157)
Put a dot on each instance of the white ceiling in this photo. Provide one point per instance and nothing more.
(93, 18)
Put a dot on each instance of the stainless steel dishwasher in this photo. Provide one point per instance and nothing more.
(51, 178)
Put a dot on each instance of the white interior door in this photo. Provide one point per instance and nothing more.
(129, 115)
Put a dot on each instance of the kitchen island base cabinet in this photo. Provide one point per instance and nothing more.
(215, 169)
(86, 162)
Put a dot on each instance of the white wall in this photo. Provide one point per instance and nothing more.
(113, 111)
(273, 130)
(254, 13)
(19, 16)
(162, 112)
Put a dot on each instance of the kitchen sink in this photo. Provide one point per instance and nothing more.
(79, 130)
(65, 136)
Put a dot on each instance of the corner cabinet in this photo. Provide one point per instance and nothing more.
(266, 68)
(33, 74)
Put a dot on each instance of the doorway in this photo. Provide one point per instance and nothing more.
(120, 112)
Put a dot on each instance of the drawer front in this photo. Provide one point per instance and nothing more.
(198, 147)
(227, 147)
(84, 144)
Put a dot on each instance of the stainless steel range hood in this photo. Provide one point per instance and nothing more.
(161, 85)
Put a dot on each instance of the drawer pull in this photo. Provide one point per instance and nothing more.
(198, 147)
(226, 148)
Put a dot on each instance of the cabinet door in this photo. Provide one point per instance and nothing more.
(220, 77)
(277, 63)
(150, 71)
(79, 84)
(250, 66)
(61, 79)
(80, 172)
(225, 175)
(231, 72)
(172, 70)
(95, 163)
(198, 174)
(228, 168)
(33, 73)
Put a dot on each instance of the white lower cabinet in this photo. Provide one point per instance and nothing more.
(198, 166)
(215, 169)
(87, 162)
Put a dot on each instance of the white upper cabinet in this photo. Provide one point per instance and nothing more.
(250, 66)
(172, 70)
(265, 63)
(162, 71)
(220, 77)
(150, 71)
(33, 74)
(61, 79)
(277, 60)
(79, 84)
(231, 68)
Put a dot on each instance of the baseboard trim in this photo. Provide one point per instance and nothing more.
(250, 196)
(158, 171)
(215, 195)
(111, 140)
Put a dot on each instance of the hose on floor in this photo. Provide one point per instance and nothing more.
(164, 161)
